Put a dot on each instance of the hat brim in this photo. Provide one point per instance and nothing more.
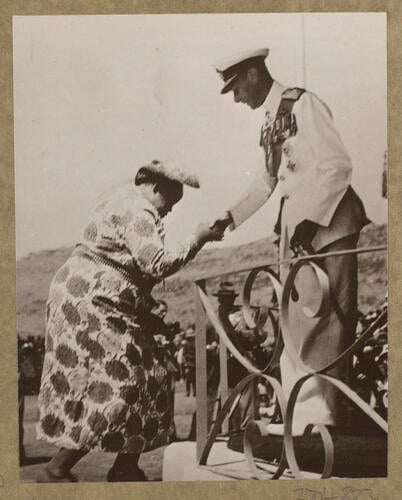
(229, 84)
(225, 294)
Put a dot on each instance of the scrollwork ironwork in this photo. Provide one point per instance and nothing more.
(284, 337)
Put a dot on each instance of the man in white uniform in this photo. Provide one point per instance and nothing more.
(306, 161)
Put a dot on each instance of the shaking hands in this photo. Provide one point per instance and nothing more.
(204, 233)
(213, 231)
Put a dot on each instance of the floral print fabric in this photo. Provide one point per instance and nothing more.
(102, 387)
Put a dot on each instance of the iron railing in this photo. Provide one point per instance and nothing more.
(279, 318)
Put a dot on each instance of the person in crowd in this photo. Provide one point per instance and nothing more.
(180, 343)
(161, 308)
(189, 361)
(30, 361)
(102, 388)
(248, 341)
(307, 165)
(213, 368)
(166, 350)
(21, 411)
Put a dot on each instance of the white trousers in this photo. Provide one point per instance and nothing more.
(320, 340)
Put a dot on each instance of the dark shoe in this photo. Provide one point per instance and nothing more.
(116, 476)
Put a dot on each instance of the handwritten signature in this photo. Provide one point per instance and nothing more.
(347, 493)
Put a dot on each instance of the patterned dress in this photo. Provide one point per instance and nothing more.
(102, 387)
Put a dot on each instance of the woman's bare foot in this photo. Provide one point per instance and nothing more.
(46, 476)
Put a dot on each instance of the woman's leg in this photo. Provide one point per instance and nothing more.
(62, 463)
(60, 466)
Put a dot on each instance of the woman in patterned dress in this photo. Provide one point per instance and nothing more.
(102, 388)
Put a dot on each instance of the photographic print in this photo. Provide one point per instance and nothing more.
(201, 245)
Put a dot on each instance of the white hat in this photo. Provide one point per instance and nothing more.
(173, 171)
(229, 68)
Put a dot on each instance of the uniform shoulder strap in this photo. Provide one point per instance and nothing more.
(289, 97)
(293, 93)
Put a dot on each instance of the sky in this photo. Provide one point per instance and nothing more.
(96, 97)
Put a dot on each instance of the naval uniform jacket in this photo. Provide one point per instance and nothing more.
(314, 172)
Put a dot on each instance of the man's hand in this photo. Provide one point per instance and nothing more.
(303, 235)
(221, 223)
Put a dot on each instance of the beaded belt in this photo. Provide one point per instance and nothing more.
(82, 250)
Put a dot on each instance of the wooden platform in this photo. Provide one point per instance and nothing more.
(179, 464)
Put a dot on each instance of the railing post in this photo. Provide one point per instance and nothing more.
(223, 381)
(201, 371)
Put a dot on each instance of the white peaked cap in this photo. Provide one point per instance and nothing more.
(229, 68)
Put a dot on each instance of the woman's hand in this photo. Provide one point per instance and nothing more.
(203, 233)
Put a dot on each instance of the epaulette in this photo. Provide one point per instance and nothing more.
(293, 94)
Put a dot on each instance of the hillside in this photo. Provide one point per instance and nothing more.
(35, 271)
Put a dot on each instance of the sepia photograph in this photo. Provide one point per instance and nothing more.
(201, 246)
